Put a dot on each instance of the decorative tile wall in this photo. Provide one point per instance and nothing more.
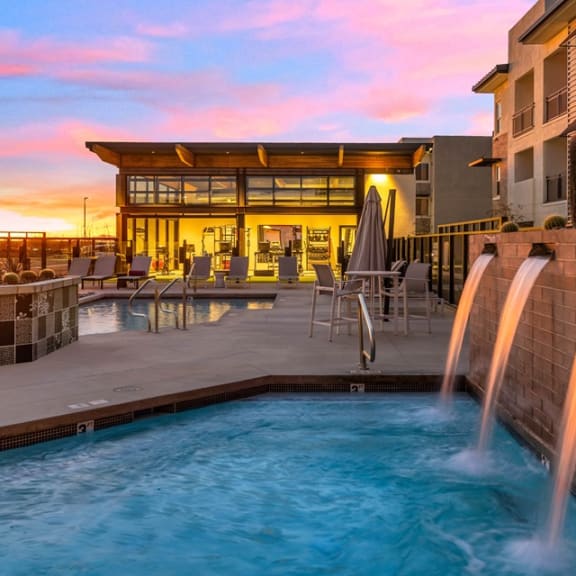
(532, 395)
(37, 319)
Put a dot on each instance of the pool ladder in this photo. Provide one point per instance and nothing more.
(159, 305)
(365, 320)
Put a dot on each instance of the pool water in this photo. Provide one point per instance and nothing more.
(282, 485)
(105, 316)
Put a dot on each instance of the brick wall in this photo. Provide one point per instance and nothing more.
(532, 394)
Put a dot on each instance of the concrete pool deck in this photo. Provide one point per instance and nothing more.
(104, 375)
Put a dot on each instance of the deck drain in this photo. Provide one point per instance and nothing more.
(127, 389)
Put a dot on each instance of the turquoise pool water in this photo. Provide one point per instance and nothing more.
(107, 315)
(281, 485)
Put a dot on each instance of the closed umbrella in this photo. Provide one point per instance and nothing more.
(369, 252)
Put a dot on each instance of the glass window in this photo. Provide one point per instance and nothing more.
(141, 189)
(169, 189)
(223, 190)
(422, 172)
(196, 190)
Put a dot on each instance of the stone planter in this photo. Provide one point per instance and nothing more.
(37, 319)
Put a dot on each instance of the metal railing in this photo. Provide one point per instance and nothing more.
(556, 104)
(140, 314)
(365, 320)
(523, 120)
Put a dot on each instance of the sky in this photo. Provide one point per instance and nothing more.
(73, 71)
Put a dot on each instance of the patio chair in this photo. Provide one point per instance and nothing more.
(104, 268)
(139, 270)
(238, 273)
(79, 267)
(414, 288)
(200, 271)
(288, 270)
(340, 292)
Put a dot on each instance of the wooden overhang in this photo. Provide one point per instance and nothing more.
(552, 22)
(399, 157)
(484, 161)
(493, 80)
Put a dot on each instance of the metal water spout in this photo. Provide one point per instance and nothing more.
(490, 248)
(543, 250)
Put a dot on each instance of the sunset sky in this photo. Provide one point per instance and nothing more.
(225, 70)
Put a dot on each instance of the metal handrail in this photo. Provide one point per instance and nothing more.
(364, 318)
(132, 296)
(158, 302)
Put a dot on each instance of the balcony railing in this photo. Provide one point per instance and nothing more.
(556, 104)
(523, 120)
(555, 188)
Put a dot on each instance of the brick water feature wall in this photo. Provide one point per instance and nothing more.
(532, 394)
(37, 319)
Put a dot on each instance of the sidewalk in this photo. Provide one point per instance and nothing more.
(104, 375)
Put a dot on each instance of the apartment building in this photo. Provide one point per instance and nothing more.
(534, 114)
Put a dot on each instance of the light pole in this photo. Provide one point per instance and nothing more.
(84, 220)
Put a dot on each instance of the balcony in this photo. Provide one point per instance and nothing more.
(555, 188)
(523, 120)
(556, 104)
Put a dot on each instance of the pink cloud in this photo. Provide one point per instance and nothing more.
(172, 30)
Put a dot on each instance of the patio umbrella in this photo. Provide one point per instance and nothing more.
(369, 252)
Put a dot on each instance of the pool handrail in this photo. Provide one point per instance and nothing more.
(364, 319)
(158, 302)
(132, 296)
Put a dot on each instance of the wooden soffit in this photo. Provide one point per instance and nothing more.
(106, 155)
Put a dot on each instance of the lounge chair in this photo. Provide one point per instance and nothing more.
(238, 272)
(139, 270)
(288, 270)
(79, 267)
(340, 292)
(104, 268)
(200, 271)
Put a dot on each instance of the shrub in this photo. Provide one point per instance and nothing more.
(47, 274)
(11, 278)
(509, 227)
(554, 222)
(27, 276)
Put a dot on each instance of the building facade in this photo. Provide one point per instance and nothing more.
(534, 107)
(179, 200)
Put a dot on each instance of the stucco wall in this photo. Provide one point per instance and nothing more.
(532, 394)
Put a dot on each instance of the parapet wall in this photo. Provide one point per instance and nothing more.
(532, 395)
(37, 318)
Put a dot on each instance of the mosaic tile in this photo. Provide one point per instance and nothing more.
(7, 333)
(49, 325)
(24, 305)
(24, 353)
(41, 328)
(23, 331)
(50, 344)
(42, 304)
(41, 348)
(6, 355)
(57, 322)
(7, 308)
(66, 319)
(58, 300)
(66, 337)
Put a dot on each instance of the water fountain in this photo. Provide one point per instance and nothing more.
(512, 310)
(565, 462)
(461, 317)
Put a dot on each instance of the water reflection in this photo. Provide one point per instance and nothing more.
(107, 316)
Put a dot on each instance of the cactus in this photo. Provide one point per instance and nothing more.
(27, 276)
(554, 222)
(509, 227)
(47, 274)
(11, 278)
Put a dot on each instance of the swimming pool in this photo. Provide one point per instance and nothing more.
(108, 315)
(359, 485)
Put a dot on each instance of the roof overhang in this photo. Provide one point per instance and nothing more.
(552, 22)
(484, 161)
(493, 80)
(192, 154)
